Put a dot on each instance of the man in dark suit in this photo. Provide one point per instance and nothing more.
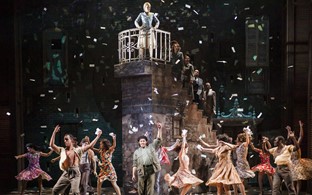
(197, 87)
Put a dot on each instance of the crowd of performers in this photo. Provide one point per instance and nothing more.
(289, 167)
(78, 162)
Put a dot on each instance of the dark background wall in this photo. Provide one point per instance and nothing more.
(82, 98)
(7, 98)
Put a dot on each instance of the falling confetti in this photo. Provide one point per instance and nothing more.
(240, 109)
(233, 95)
(233, 49)
(195, 12)
(135, 129)
(259, 71)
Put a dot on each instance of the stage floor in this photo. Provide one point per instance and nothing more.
(110, 191)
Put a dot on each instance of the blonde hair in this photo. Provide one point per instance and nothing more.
(241, 137)
(147, 3)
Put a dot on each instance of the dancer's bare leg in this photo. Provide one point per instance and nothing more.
(219, 189)
(40, 184)
(116, 187)
(99, 187)
(24, 184)
(185, 189)
(227, 189)
(260, 181)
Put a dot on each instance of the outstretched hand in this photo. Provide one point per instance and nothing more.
(57, 128)
(300, 123)
(288, 128)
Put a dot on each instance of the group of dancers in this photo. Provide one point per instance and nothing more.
(290, 168)
(75, 162)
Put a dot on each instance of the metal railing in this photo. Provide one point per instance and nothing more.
(128, 48)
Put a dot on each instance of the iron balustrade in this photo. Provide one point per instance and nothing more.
(128, 48)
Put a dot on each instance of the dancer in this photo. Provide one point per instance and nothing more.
(164, 159)
(107, 170)
(86, 162)
(183, 178)
(264, 167)
(301, 168)
(146, 35)
(69, 162)
(282, 154)
(33, 171)
(242, 165)
(224, 174)
(146, 163)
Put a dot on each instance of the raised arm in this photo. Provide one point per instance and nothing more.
(183, 150)
(159, 131)
(88, 146)
(267, 144)
(300, 133)
(246, 130)
(170, 148)
(114, 142)
(156, 143)
(52, 139)
(292, 137)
